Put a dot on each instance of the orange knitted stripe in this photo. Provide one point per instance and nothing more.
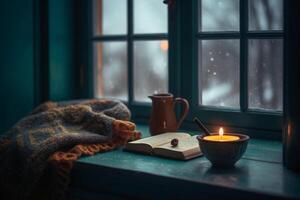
(63, 162)
(123, 132)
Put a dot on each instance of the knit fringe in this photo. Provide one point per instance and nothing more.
(63, 161)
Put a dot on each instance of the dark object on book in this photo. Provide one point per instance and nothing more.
(37, 153)
(201, 126)
(174, 142)
(163, 117)
(160, 145)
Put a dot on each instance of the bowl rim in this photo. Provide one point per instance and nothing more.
(242, 137)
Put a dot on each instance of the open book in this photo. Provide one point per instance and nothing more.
(160, 145)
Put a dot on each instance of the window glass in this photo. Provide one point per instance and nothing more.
(265, 73)
(109, 17)
(150, 68)
(265, 15)
(219, 73)
(110, 61)
(150, 16)
(218, 15)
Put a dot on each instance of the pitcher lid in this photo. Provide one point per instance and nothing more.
(161, 95)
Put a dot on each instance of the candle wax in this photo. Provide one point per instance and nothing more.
(221, 138)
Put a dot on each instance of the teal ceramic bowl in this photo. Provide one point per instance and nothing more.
(224, 154)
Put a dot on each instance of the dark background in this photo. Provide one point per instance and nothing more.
(39, 55)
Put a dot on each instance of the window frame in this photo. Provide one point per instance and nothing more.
(253, 122)
(139, 109)
(183, 37)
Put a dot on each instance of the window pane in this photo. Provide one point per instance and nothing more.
(218, 15)
(150, 16)
(265, 73)
(265, 14)
(150, 68)
(219, 73)
(110, 61)
(109, 17)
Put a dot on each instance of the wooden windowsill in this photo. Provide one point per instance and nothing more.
(259, 173)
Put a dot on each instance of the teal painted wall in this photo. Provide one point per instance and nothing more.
(17, 61)
(61, 50)
(19, 85)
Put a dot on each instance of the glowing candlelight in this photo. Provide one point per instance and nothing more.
(221, 132)
(221, 137)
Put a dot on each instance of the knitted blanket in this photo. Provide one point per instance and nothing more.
(37, 153)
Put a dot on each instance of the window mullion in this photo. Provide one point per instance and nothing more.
(130, 51)
(218, 35)
(174, 57)
(151, 36)
(189, 54)
(243, 55)
(109, 38)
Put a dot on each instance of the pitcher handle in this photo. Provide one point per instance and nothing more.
(186, 108)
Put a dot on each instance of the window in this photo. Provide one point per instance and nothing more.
(127, 35)
(240, 62)
(224, 56)
(219, 59)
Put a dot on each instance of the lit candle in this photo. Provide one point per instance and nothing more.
(221, 137)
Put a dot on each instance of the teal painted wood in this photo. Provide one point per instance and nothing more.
(130, 53)
(17, 61)
(62, 64)
(89, 83)
(258, 174)
(26, 52)
(291, 136)
(41, 47)
(160, 179)
(82, 23)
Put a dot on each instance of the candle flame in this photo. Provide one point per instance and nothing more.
(221, 131)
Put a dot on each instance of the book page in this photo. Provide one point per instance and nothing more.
(162, 139)
(184, 144)
(187, 148)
